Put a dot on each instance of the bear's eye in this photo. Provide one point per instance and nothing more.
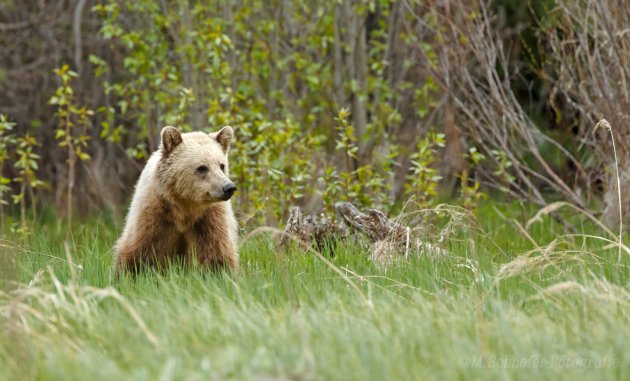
(222, 166)
(202, 170)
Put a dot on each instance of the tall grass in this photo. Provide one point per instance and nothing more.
(499, 305)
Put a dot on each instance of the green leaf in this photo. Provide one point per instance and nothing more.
(83, 156)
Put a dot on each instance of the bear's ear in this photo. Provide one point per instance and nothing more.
(171, 137)
(224, 137)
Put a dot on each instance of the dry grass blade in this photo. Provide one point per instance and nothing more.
(544, 212)
(275, 232)
(16, 249)
(612, 243)
(55, 308)
(558, 205)
(538, 260)
(598, 289)
(604, 124)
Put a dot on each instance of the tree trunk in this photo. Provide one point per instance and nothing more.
(611, 198)
(76, 30)
(454, 163)
(359, 109)
(340, 97)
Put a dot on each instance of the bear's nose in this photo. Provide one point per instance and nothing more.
(228, 191)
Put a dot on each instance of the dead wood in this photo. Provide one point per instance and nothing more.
(309, 229)
(373, 223)
(389, 240)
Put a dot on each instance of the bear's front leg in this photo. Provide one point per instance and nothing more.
(213, 246)
(151, 247)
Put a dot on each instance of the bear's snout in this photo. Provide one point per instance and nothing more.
(228, 191)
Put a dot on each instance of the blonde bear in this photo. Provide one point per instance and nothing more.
(180, 211)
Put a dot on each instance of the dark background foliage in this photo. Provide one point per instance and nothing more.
(373, 101)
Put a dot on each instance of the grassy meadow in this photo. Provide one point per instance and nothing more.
(496, 106)
(549, 302)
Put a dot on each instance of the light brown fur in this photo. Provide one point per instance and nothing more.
(177, 214)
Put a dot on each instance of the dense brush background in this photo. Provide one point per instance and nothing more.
(369, 101)
(473, 123)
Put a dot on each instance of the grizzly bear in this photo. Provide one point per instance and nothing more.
(180, 211)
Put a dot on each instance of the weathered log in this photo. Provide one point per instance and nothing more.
(310, 229)
(374, 223)
(390, 240)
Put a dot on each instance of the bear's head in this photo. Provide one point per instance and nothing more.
(194, 168)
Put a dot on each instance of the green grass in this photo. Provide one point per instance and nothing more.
(564, 314)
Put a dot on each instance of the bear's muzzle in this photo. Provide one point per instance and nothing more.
(228, 191)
